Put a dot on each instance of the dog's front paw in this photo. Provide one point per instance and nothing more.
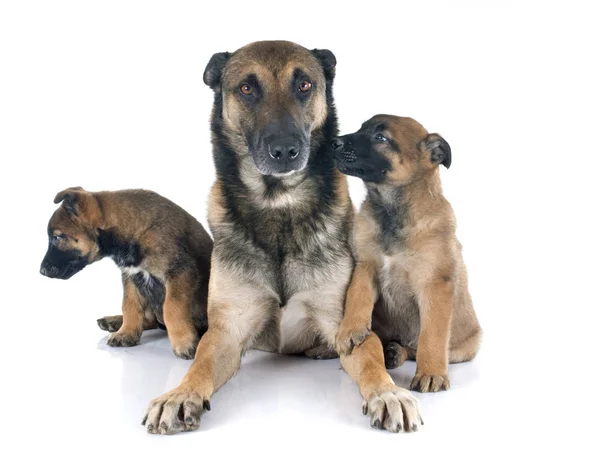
(394, 409)
(350, 336)
(430, 382)
(110, 323)
(176, 411)
(123, 339)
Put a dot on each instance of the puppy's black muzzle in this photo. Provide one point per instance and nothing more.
(62, 264)
(354, 155)
(346, 155)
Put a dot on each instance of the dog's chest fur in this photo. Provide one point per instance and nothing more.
(300, 254)
(396, 314)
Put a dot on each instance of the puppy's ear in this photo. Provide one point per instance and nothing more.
(328, 62)
(214, 69)
(72, 199)
(438, 149)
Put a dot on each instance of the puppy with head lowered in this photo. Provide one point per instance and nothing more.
(162, 251)
(410, 280)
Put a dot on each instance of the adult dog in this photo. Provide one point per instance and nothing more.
(282, 219)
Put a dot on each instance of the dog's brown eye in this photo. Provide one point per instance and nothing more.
(305, 86)
(380, 138)
(246, 89)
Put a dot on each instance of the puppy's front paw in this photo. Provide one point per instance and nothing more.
(176, 411)
(394, 409)
(430, 382)
(350, 336)
(123, 339)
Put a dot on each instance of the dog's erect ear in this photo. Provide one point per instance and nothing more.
(438, 148)
(328, 62)
(71, 198)
(214, 69)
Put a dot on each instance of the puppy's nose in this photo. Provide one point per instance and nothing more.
(284, 149)
(44, 271)
(337, 143)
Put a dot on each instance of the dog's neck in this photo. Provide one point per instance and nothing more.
(388, 207)
(396, 207)
(114, 233)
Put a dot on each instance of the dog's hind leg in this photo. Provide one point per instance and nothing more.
(110, 323)
(467, 348)
(114, 323)
(321, 352)
(396, 354)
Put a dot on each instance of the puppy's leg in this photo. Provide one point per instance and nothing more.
(110, 323)
(435, 307)
(133, 317)
(177, 311)
(114, 323)
(217, 359)
(358, 308)
(388, 405)
(396, 355)
(467, 348)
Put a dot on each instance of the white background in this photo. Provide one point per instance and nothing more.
(109, 95)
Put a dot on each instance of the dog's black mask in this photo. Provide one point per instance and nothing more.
(62, 264)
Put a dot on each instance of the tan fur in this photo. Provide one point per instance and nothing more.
(133, 317)
(390, 407)
(425, 268)
(174, 249)
(267, 291)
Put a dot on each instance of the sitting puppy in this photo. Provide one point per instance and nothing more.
(410, 265)
(162, 251)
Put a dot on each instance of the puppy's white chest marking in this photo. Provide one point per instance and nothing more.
(130, 271)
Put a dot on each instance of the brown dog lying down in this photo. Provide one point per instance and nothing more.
(162, 251)
(408, 252)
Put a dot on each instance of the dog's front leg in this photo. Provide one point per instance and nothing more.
(217, 359)
(358, 308)
(388, 405)
(130, 331)
(435, 307)
(237, 314)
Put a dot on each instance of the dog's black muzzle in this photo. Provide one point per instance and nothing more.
(281, 148)
(354, 155)
(62, 264)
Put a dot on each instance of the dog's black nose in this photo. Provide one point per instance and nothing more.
(337, 143)
(43, 271)
(284, 149)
